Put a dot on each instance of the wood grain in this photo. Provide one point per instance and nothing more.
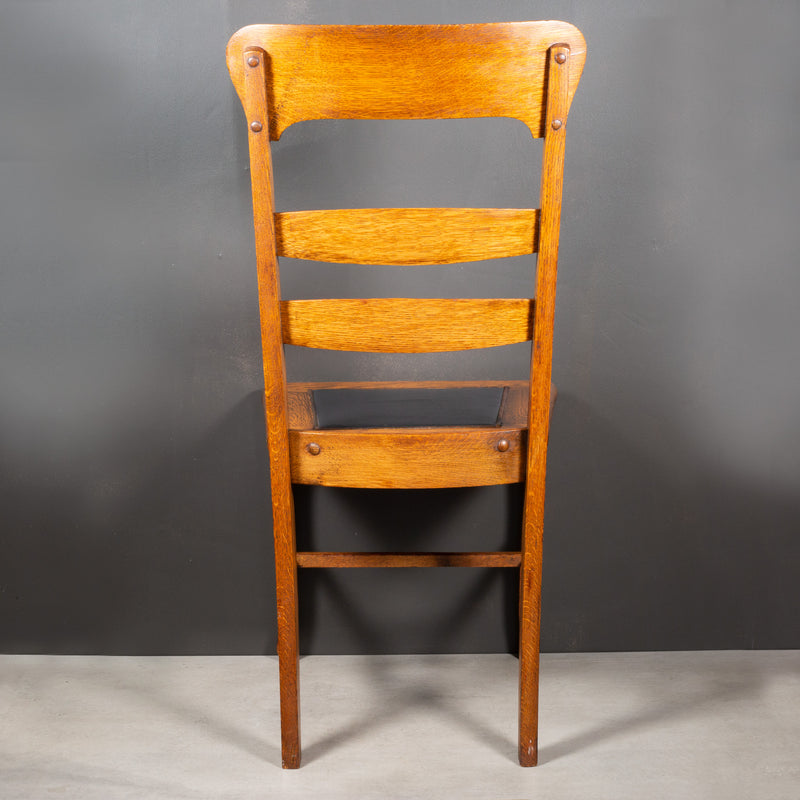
(372, 560)
(406, 236)
(285, 74)
(275, 409)
(408, 458)
(406, 71)
(406, 325)
(559, 69)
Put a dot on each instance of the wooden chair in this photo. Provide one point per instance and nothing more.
(288, 73)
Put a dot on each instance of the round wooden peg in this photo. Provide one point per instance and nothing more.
(503, 445)
(313, 448)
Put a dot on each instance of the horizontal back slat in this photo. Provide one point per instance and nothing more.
(406, 71)
(406, 236)
(405, 325)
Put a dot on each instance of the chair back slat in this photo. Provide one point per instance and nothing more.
(406, 325)
(405, 236)
(406, 71)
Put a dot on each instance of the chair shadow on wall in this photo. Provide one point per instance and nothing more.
(397, 521)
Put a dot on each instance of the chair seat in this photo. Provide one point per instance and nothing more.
(337, 436)
(409, 407)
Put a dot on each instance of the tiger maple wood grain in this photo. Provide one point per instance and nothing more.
(406, 71)
(405, 236)
(406, 325)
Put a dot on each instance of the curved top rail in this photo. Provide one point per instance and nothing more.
(494, 69)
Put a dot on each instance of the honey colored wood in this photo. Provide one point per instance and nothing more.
(406, 71)
(275, 407)
(406, 325)
(405, 236)
(370, 560)
(407, 458)
(285, 74)
(301, 406)
(558, 85)
(477, 460)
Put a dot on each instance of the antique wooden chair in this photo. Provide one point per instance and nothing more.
(288, 73)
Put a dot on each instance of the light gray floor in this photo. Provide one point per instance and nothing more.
(642, 725)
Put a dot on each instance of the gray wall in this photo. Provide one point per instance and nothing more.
(135, 508)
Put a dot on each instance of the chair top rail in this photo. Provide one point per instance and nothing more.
(406, 71)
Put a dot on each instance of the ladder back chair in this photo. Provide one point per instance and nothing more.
(287, 73)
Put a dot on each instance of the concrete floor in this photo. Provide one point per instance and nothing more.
(642, 725)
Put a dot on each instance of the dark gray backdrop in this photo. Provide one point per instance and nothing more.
(135, 508)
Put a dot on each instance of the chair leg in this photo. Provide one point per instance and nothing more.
(288, 645)
(529, 626)
(288, 676)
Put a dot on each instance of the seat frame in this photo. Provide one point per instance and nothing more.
(515, 449)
